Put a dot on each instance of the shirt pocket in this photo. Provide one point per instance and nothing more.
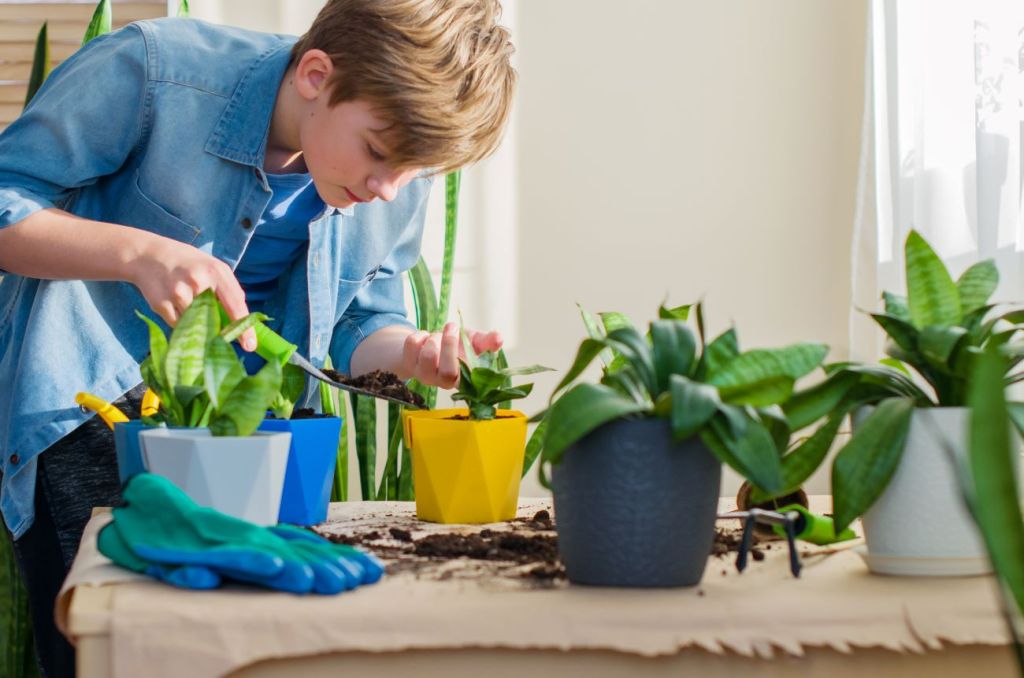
(143, 212)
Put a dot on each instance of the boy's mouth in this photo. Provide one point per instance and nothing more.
(352, 196)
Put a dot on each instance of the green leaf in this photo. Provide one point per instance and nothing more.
(674, 346)
(186, 349)
(1016, 411)
(523, 371)
(677, 313)
(939, 343)
(534, 445)
(932, 295)
(693, 405)
(799, 464)
(977, 284)
(183, 9)
(222, 370)
(767, 391)
(470, 358)
(246, 406)
(585, 354)
(996, 502)
(638, 354)
(452, 185)
(774, 420)
(293, 385)
(102, 21)
(40, 64)
(613, 320)
(753, 454)
(424, 296)
(157, 351)
(900, 331)
(579, 411)
(863, 467)
(722, 350)
(807, 406)
(896, 306)
(233, 330)
(762, 365)
(595, 330)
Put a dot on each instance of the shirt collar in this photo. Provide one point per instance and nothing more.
(241, 133)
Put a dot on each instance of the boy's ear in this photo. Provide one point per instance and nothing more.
(312, 73)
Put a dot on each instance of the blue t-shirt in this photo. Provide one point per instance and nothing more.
(280, 237)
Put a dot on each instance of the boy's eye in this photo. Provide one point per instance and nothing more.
(373, 153)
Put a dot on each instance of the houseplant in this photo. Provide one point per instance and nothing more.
(906, 412)
(636, 458)
(467, 462)
(212, 408)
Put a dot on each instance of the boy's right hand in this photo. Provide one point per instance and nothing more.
(170, 274)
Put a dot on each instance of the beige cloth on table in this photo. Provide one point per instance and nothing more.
(158, 630)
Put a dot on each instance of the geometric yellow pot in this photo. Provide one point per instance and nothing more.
(465, 471)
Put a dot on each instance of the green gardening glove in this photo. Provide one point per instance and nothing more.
(160, 531)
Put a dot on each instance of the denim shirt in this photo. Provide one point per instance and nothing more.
(162, 125)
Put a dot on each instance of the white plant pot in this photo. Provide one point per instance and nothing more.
(920, 525)
(240, 476)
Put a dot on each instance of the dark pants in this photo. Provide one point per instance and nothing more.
(74, 475)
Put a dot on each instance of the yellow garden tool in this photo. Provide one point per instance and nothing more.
(110, 414)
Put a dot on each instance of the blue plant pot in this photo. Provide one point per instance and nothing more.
(129, 451)
(311, 462)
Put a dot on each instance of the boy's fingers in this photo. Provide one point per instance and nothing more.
(448, 363)
(426, 366)
(233, 299)
(411, 351)
(486, 341)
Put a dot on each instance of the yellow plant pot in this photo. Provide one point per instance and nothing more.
(465, 471)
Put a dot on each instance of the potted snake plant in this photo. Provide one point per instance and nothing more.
(210, 446)
(910, 420)
(467, 462)
(636, 458)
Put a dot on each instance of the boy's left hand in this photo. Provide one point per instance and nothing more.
(433, 359)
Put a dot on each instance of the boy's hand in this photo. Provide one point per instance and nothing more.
(433, 359)
(170, 274)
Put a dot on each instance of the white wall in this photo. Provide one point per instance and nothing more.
(677, 149)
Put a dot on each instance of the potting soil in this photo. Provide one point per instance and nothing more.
(379, 382)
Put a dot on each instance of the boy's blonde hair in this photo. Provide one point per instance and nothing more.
(437, 70)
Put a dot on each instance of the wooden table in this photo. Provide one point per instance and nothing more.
(576, 618)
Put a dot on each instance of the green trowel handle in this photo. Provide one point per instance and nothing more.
(813, 528)
(272, 346)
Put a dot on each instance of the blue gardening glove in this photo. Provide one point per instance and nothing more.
(162, 533)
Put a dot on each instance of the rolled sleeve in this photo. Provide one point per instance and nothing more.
(82, 124)
(380, 304)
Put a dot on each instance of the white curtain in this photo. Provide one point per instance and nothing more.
(941, 146)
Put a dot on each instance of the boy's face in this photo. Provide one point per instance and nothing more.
(344, 150)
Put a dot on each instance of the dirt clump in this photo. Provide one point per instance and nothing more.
(379, 382)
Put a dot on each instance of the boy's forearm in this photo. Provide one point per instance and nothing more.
(382, 350)
(55, 245)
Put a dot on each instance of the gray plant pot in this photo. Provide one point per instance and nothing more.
(633, 508)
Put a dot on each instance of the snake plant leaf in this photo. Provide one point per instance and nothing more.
(157, 349)
(613, 320)
(1016, 412)
(595, 330)
(102, 21)
(40, 63)
(896, 306)
(424, 295)
(452, 186)
(222, 371)
(675, 313)
(511, 393)
(580, 410)
(534, 445)
(233, 330)
(977, 284)
(753, 454)
(762, 393)
(887, 379)
(864, 466)
(470, 357)
(799, 464)
(183, 9)
(735, 417)
(932, 296)
(636, 351)
(774, 420)
(810, 405)
(523, 371)
(588, 350)
(246, 405)
(293, 385)
(693, 404)
(721, 351)
(900, 331)
(674, 347)
(628, 383)
(760, 365)
(996, 502)
(185, 351)
(938, 344)
(699, 312)
(484, 380)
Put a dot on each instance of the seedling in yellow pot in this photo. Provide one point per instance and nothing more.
(467, 462)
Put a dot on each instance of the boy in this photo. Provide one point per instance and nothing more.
(175, 156)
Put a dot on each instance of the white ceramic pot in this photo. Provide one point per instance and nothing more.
(920, 525)
(240, 476)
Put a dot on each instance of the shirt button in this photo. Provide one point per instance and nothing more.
(15, 459)
(246, 222)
